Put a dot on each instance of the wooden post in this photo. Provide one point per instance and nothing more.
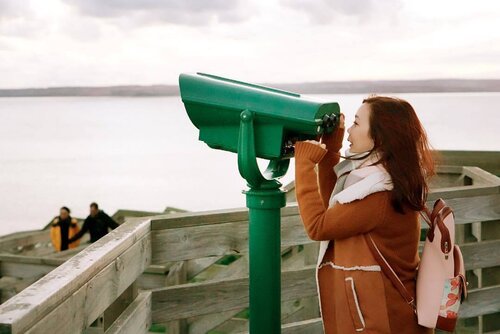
(177, 275)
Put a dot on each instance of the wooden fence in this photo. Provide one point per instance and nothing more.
(188, 295)
(72, 296)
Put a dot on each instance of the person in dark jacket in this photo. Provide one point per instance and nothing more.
(62, 228)
(97, 223)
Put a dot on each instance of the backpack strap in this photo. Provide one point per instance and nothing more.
(389, 272)
(436, 219)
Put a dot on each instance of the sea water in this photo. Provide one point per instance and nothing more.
(144, 153)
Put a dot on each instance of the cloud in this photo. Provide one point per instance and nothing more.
(12, 9)
(184, 12)
(325, 11)
(17, 19)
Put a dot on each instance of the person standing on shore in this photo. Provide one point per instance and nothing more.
(97, 223)
(62, 229)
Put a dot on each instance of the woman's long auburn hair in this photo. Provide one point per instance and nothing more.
(403, 149)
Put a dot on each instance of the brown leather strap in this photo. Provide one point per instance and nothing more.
(437, 217)
(389, 272)
(458, 261)
(445, 233)
(438, 206)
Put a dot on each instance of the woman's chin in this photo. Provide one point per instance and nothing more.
(355, 151)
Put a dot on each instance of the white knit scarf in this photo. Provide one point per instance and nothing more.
(356, 180)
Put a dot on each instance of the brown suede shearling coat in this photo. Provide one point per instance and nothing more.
(356, 301)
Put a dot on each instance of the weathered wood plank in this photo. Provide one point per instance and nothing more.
(26, 267)
(32, 268)
(474, 209)
(196, 266)
(487, 160)
(20, 261)
(194, 299)
(190, 300)
(36, 301)
(484, 183)
(98, 293)
(238, 269)
(31, 243)
(199, 241)
(290, 309)
(477, 175)
(177, 275)
(208, 217)
(187, 219)
(10, 286)
(444, 169)
(312, 326)
(480, 302)
(481, 254)
(463, 192)
(136, 318)
(481, 176)
(151, 281)
(25, 272)
(84, 243)
(118, 306)
(195, 241)
(15, 243)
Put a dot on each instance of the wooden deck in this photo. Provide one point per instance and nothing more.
(188, 272)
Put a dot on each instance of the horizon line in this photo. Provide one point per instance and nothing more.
(262, 83)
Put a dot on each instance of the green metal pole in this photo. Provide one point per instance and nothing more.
(265, 259)
(264, 202)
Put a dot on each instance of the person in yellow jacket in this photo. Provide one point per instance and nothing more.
(62, 228)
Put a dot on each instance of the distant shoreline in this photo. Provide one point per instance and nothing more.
(327, 87)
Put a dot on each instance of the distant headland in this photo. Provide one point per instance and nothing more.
(325, 87)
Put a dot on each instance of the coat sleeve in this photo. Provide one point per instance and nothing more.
(73, 230)
(340, 221)
(326, 175)
(109, 221)
(80, 233)
(55, 235)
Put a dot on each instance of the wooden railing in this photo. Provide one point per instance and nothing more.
(31, 243)
(71, 297)
(486, 160)
(37, 243)
(188, 295)
(473, 193)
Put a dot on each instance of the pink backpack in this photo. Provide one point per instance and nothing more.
(441, 283)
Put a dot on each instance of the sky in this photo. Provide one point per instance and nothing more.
(50, 43)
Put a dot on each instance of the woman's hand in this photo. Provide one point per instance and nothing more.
(328, 140)
(342, 121)
(316, 143)
(334, 139)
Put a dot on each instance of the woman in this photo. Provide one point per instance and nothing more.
(62, 229)
(378, 189)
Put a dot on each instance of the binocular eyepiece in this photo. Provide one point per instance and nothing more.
(330, 122)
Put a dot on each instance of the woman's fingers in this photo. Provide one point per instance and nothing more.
(316, 143)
